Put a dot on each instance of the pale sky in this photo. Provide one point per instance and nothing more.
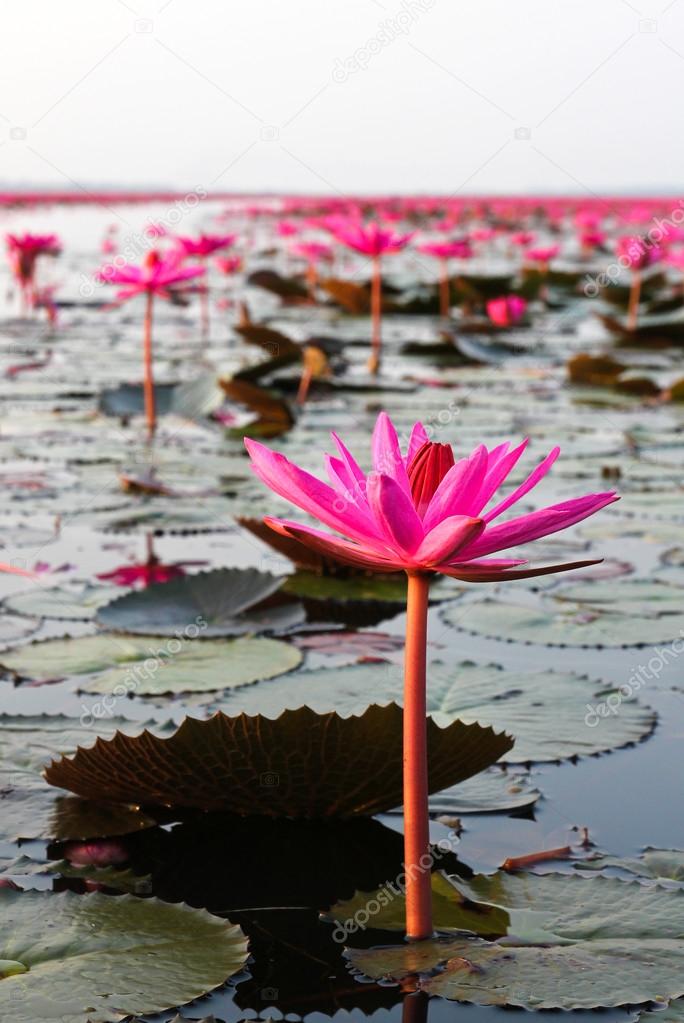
(340, 96)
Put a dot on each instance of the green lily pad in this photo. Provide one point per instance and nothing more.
(551, 622)
(638, 597)
(200, 667)
(150, 665)
(62, 603)
(654, 864)
(571, 943)
(553, 715)
(218, 601)
(492, 791)
(103, 958)
(300, 764)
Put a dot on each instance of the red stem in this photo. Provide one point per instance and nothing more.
(148, 386)
(376, 315)
(634, 296)
(444, 291)
(204, 301)
(416, 820)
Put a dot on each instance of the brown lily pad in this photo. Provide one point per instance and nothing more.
(301, 764)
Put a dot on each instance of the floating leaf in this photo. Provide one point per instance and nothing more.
(300, 764)
(217, 601)
(655, 864)
(103, 958)
(552, 715)
(61, 603)
(491, 791)
(200, 667)
(572, 943)
(562, 623)
(637, 597)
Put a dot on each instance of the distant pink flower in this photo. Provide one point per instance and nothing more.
(422, 510)
(542, 255)
(459, 249)
(228, 264)
(205, 244)
(638, 252)
(286, 228)
(24, 251)
(506, 311)
(370, 239)
(483, 234)
(522, 238)
(314, 252)
(145, 574)
(592, 239)
(157, 275)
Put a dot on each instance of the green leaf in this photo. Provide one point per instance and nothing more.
(552, 714)
(572, 943)
(200, 667)
(552, 622)
(301, 764)
(102, 958)
(217, 601)
(62, 603)
(493, 791)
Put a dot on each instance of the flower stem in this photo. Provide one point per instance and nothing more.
(416, 821)
(204, 301)
(444, 291)
(634, 296)
(148, 386)
(376, 314)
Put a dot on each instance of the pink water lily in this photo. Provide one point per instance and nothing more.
(157, 275)
(201, 248)
(424, 512)
(376, 242)
(459, 248)
(24, 251)
(507, 310)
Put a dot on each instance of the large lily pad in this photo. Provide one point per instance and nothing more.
(219, 600)
(552, 622)
(200, 667)
(149, 665)
(300, 764)
(102, 958)
(638, 597)
(659, 865)
(552, 714)
(569, 943)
